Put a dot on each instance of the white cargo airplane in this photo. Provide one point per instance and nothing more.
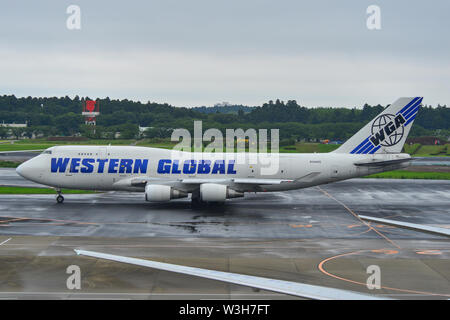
(216, 177)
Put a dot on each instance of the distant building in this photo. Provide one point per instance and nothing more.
(11, 126)
(430, 140)
(14, 125)
(143, 129)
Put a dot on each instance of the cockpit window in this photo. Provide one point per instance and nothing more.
(47, 152)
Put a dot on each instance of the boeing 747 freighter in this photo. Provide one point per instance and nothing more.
(163, 175)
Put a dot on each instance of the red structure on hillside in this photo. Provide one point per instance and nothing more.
(91, 109)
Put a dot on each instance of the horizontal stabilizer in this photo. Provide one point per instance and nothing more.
(381, 163)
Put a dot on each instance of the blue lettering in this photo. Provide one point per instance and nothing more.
(175, 165)
(164, 166)
(112, 165)
(140, 166)
(231, 167)
(377, 138)
(101, 165)
(204, 166)
(219, 167)
(399, 120)
(125, 164)
(88, 165)
(190, 166)
(74, 164)
(59, 165)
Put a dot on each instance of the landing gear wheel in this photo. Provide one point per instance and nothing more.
(59, 198)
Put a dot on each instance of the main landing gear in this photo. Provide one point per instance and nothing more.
(59, 197)
(196, 202)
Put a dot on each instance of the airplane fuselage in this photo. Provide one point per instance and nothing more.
(115, 167)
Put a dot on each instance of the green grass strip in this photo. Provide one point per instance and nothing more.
(24, 190)
(9, 164)
(399, 174)
(24, 147)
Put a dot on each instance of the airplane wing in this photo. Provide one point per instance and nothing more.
(280, 286)
(142, 181)
(237, 181)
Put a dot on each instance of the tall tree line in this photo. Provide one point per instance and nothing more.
(62, 116)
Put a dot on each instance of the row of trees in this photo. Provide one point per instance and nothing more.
(62, 116)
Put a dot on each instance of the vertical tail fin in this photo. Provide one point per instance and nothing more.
(386, 133)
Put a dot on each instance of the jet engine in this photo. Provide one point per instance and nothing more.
(161, 193)
(212, 192)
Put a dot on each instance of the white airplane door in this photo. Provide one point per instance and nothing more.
(251, 171)
(335, 171)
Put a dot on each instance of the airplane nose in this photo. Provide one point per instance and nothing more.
(19, 169)
(31, 170)
(23, 170)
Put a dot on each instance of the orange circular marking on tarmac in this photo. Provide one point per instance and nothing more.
(301, 225)
(384, 226)
(354, 226)
(363, 232)
(385, 251)
(322, 269)
(429, 252)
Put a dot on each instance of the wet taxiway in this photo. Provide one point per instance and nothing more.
(312, 236)
(309, 213)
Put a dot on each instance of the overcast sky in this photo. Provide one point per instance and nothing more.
(200, 52)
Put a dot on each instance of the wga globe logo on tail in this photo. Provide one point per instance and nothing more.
(387, 130)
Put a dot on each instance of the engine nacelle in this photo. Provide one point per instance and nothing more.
(161, 193)
(212, 192)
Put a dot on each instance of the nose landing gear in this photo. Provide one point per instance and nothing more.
(59, 197)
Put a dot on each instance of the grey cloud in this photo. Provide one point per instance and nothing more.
(319, 52)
